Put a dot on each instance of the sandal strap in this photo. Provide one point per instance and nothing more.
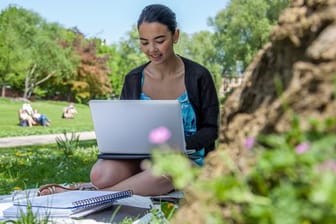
(84, 186)
(52, 188)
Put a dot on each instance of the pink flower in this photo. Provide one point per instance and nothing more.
(302, 147)
(249, 142)
(159, 135)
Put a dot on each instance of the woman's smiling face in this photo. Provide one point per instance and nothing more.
(156, 41)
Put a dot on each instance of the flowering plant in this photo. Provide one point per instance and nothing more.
(170, 162)
(292, 180)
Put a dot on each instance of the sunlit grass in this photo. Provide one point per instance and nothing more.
(52, 109)
(29, 167)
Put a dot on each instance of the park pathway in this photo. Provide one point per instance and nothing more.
(40, 139)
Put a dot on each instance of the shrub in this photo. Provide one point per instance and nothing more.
(291, 180)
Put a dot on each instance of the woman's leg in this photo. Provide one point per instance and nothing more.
(106, 173)
(118, 175)
(31, 121)
(144, 183)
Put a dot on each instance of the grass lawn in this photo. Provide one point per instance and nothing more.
(32, 166)
(52, 109)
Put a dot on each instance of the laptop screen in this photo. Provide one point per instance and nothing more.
(122, 127)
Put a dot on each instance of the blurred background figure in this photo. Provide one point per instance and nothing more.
(28, 108)
(40, 119)
(25, 120)
(69, 111)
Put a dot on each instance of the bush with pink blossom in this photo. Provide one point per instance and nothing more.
(292, 181)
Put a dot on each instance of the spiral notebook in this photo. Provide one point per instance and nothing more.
(67, 204)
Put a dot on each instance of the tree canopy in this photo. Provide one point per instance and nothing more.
(241, 29)
(47, 60)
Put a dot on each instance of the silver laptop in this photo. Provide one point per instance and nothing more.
(122, 127)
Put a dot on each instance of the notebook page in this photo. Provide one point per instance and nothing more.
(64, 200)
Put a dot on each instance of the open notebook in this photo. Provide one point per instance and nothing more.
(122, 127)
(74, 203)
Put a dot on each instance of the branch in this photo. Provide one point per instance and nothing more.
(45, 78)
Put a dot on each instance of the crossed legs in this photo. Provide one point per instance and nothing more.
(116, 175)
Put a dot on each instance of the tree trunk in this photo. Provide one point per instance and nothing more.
(32, 80)
(3, 90)
(28, 78)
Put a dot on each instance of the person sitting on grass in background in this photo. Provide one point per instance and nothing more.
(41, 118)
(165, 76)
(25, 119)
(69, 111)
(28, 108)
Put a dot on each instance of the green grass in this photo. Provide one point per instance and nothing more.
(52, 109)
(33, 166)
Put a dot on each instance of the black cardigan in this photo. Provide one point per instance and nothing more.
(202, 95)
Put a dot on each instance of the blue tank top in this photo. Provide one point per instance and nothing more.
(189, 122)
